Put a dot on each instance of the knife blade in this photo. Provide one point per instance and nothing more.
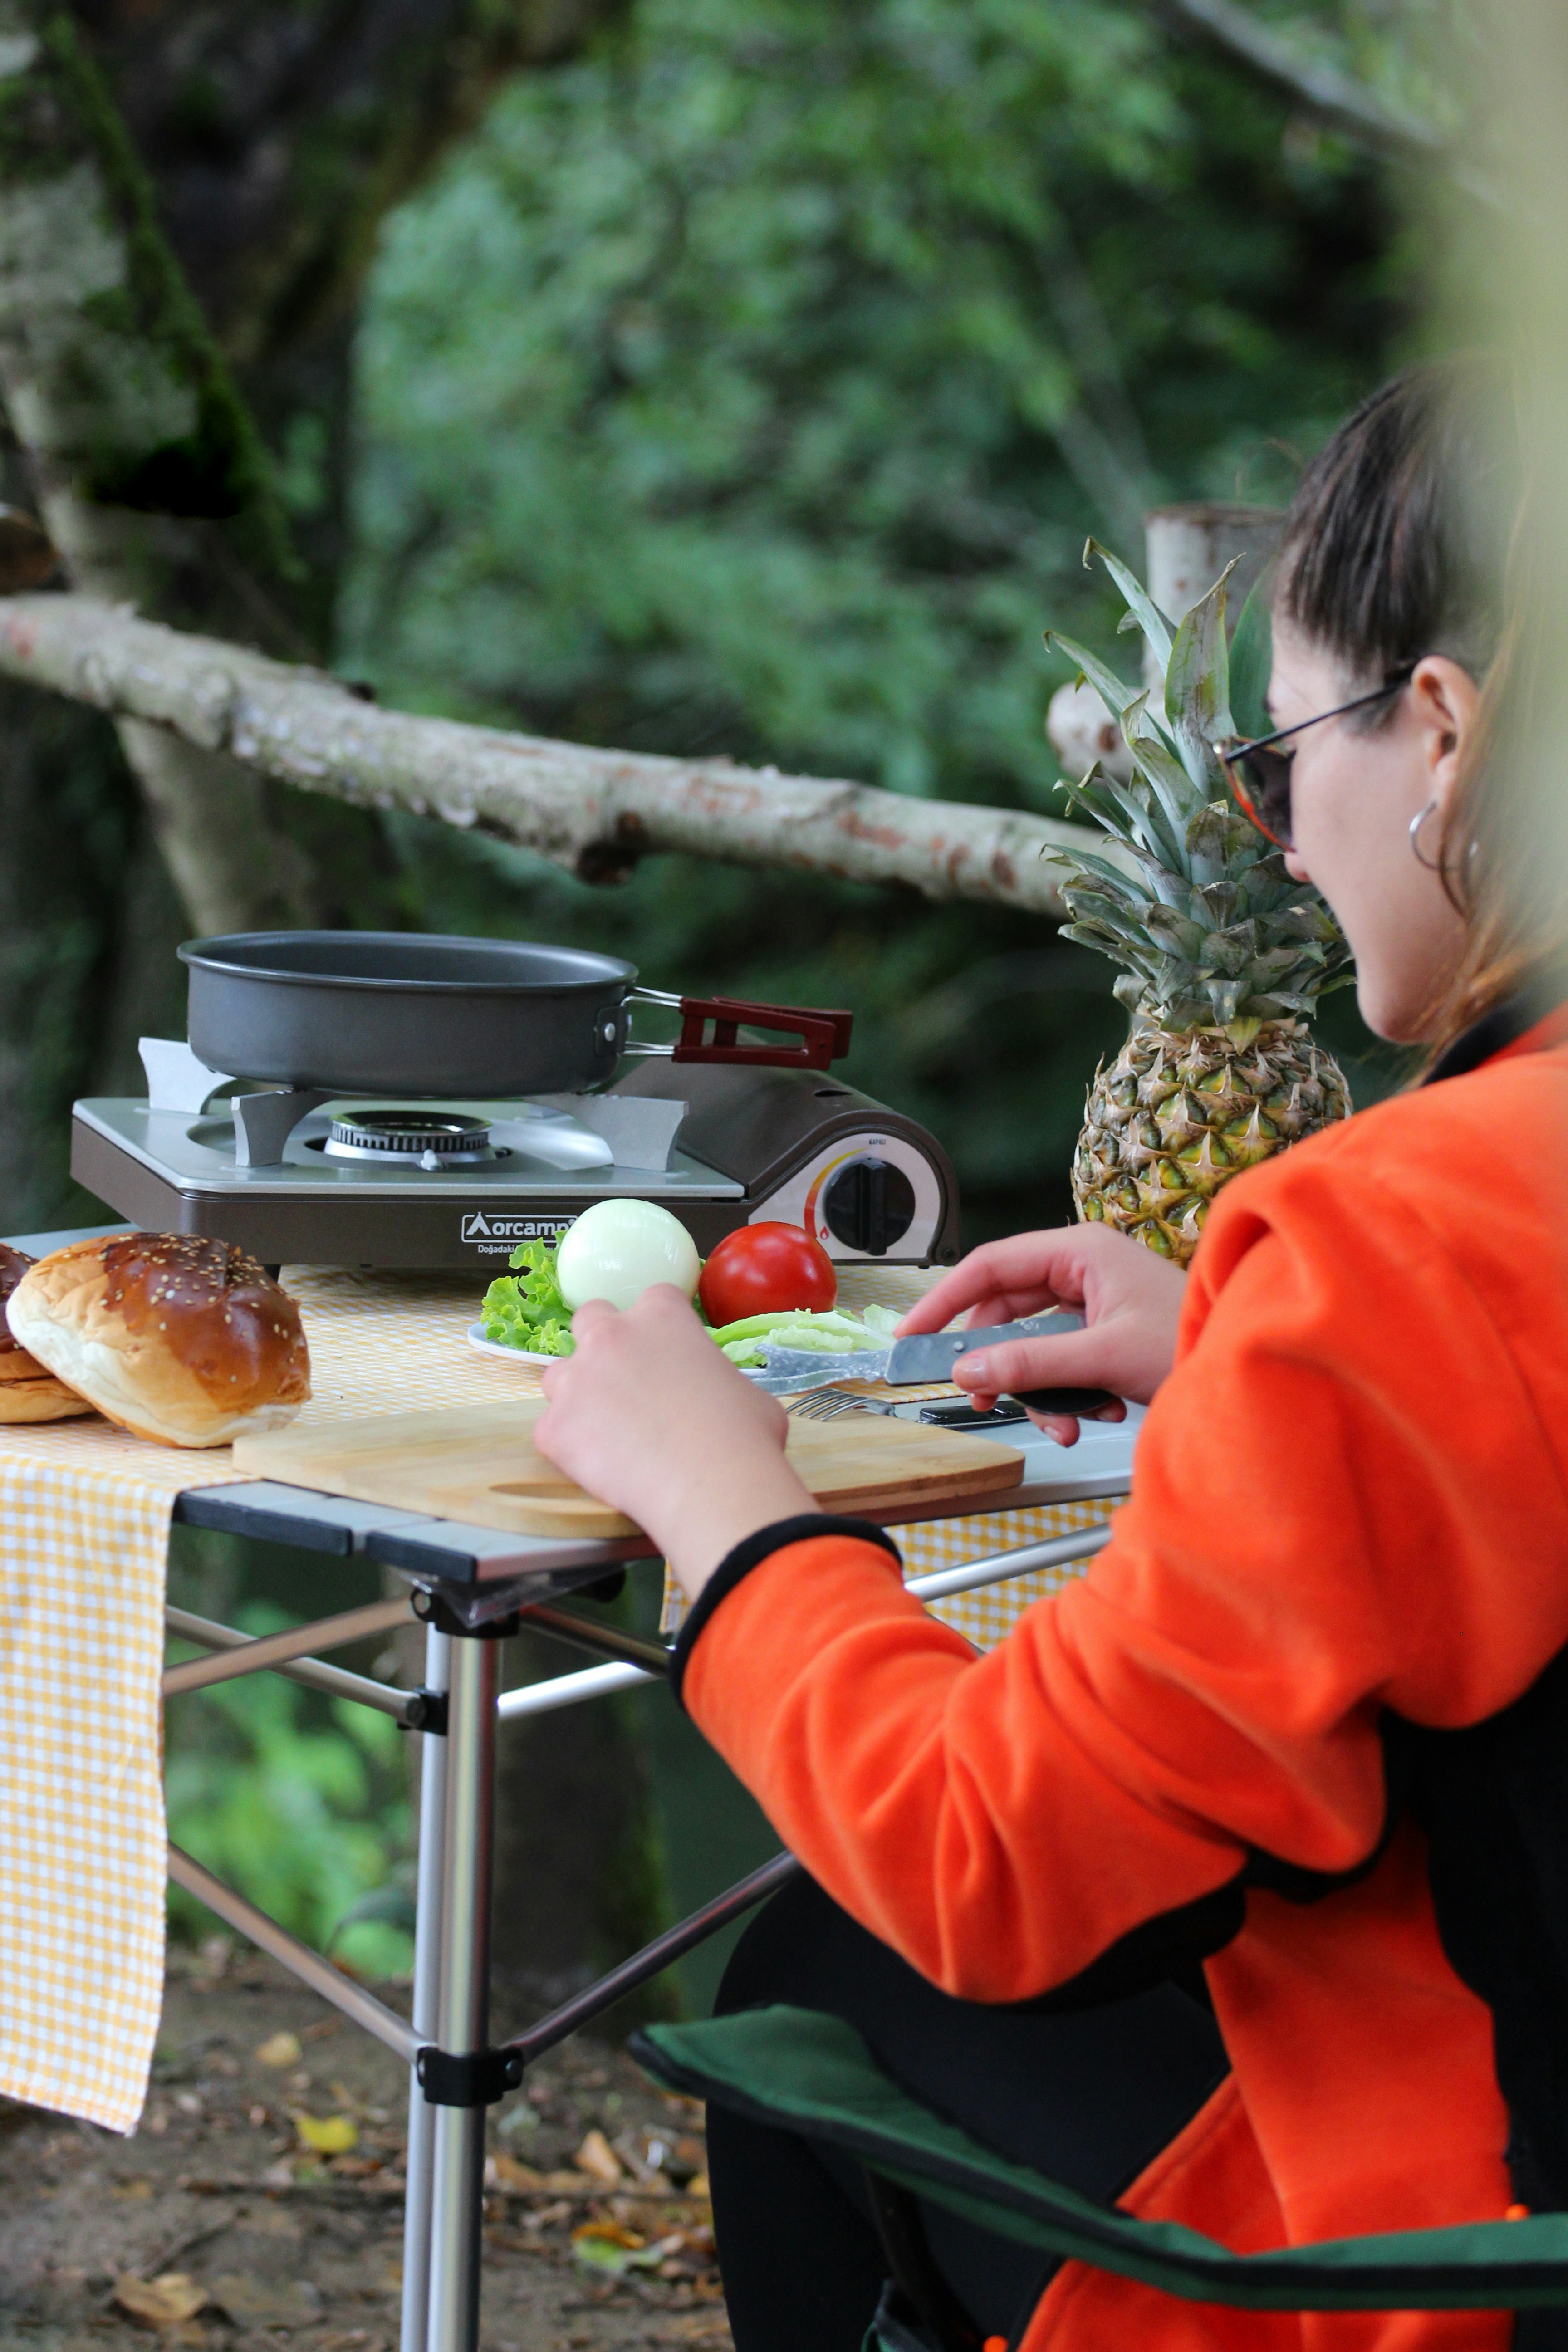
(929, 1357)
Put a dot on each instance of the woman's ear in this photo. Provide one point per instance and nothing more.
(1444, 698)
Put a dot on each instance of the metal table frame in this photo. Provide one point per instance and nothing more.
(474, 1587)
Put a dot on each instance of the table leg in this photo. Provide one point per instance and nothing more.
(463, 2008)
(426, 1991)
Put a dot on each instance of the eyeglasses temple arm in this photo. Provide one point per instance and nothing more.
(1401, 677)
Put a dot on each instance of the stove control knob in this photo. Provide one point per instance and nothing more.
(868, 1206)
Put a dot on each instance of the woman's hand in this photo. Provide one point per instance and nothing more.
(1129, 1298)
(652, 1417)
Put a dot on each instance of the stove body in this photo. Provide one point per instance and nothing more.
(754, 1144)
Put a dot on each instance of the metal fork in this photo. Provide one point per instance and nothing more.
(826, 1404)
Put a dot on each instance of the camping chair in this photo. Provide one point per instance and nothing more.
(801, 2071)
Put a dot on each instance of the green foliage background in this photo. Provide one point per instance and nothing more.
(300, 1800)
(751, 386)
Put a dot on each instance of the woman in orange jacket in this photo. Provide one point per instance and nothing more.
(1233, 1885)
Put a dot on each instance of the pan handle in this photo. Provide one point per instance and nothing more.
(823, 1036)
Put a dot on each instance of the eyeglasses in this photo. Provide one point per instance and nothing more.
(1260, 775)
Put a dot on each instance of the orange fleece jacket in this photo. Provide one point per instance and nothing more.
(1352, 1492)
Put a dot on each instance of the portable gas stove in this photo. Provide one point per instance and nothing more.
(412, 1115)
(298, 1180)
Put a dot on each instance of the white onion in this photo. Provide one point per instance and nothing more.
(618, 1249)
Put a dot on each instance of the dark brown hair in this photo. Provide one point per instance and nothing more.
(1403, 540)
(1397, 539)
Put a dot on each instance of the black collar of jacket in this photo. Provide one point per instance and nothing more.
(1542, 992)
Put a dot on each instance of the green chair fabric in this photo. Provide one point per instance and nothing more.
(804, 2071)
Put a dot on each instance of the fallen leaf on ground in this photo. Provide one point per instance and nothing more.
(138, 2187)
(610, 2246)
(598, 2160)
(328, 2134)
(280, 2050)
(681, 2255)
(164, 2302)
(504, 2171)
(614, 2233)
(264, 2303)
(657, 2149)
(698, 2187)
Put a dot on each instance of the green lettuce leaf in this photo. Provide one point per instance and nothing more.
(525, 1309)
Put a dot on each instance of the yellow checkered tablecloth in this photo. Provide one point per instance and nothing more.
(85, 1513)
(81, 1807)
(84, 1538)
(989, 1611)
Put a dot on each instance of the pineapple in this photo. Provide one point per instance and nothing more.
(1225, 954)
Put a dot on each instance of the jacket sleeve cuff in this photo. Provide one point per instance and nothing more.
(750, 1553)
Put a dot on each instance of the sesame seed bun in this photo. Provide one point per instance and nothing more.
(43, 1398)
(181, 1340)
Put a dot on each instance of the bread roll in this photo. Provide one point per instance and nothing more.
(176, 1339)
(45, 1399)
(29, 1392)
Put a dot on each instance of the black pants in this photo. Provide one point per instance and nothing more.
(1088, 2095)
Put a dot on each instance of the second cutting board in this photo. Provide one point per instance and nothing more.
(477, 1463)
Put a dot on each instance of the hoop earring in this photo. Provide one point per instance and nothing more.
(1432, 864)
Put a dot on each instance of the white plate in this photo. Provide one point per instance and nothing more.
(512, 1355)
(476, 1340)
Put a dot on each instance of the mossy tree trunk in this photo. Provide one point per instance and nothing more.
(147, 472)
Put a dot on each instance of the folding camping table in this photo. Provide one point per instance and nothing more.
(473, 1586)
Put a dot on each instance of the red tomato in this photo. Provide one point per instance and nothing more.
(766, 1270)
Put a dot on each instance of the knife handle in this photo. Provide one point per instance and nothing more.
(1071, 1401)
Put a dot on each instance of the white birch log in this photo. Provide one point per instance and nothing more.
(1082, 730)
(593, 812)
(1187, 548)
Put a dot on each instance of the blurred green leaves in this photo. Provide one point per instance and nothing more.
(299, 1803)
(751, 385)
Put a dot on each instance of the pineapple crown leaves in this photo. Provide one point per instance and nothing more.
(1210, 927)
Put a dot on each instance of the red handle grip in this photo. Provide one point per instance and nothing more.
(824, 1037)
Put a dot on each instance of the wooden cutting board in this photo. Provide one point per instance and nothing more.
(477, 1463)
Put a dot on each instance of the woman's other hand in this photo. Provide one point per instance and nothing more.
(650, 1416)
(1131, 1300)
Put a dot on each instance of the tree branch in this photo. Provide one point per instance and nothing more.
(596, 813)
(1336, 98)
(280, 137)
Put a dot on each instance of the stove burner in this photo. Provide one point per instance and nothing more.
(431, 1139)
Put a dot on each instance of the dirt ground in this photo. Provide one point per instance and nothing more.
(220, 2225)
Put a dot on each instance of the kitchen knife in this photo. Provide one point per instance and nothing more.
(930, 1357)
